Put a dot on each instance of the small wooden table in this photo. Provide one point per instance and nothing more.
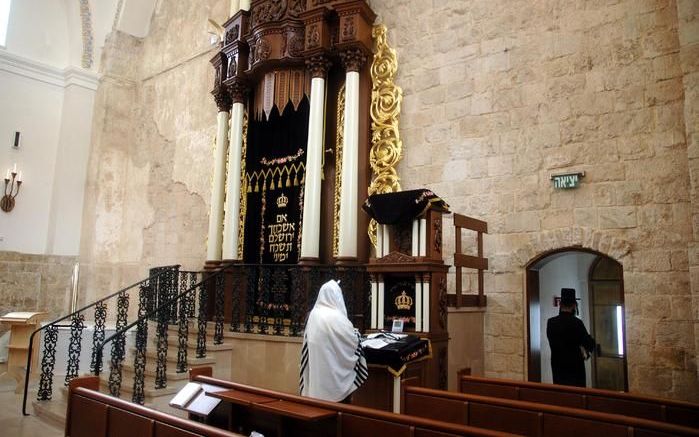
(22, 324)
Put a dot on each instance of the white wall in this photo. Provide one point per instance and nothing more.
(48, 98)
(566, 270)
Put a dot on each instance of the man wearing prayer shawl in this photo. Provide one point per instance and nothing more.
(332, 361)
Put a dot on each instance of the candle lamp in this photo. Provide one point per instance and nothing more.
(13, 181)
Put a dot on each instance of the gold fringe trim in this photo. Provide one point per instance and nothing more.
(339, 143)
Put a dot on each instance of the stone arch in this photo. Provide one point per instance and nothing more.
(546, 242)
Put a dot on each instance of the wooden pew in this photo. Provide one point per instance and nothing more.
(606, 401)
(530, 418)
(94, 414)
(346, 421)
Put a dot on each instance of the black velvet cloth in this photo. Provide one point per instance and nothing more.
(277, 137)
(398, 354)
(402, 206)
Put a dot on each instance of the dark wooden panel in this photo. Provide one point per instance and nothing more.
(126, 424)
(419, 432)
(471, 262)
(351, 425)
(625, 407)
(506, 419)
(682, 416)
(447, 410)
(561, 399)
(555, 425)
(88, 417)
(163, 430)
(492, 390)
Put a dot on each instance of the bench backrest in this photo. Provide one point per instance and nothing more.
(646, 407)
(529, 418)
(94, 414)
(353, 420)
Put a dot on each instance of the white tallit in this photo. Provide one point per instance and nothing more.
(332, 362)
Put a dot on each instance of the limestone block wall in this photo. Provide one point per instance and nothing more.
(498, 95)
(35, 283)
(149, 176)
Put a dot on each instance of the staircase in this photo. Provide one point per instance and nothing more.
(146, 358)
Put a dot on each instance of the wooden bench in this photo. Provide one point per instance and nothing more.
(530, 418)
(277, 413)
(606, 401)
(94, 414)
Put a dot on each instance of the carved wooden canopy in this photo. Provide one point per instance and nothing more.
(278, 46)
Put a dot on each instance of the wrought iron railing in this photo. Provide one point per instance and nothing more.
(250, 298)
(262, 299)
(77, 325)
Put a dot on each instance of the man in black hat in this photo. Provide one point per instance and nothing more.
(570, 343)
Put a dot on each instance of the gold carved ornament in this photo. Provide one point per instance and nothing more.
(243, 188)
(338, 168)
(386, 97)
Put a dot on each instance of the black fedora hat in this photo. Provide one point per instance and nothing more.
(568, 296)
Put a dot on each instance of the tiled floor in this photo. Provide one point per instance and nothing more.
(12, 423)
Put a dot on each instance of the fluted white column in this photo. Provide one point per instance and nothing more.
(310, 237)
(213, 250)
(347, 247)
(230, 228)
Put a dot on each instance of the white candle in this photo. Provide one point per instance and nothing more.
(19, 178)
(7, 176)
(14, 170)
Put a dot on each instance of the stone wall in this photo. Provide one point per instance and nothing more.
(501, 94)
(35, 283)
(149, 177)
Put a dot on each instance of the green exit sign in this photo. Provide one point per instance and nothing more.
(567, 181)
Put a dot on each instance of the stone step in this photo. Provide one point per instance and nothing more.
(192, 361)
(149, 372)
(173, 342)
(149, 391)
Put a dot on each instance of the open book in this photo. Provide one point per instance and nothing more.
(192, 398)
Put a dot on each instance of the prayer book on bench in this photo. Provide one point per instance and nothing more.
(193, 399)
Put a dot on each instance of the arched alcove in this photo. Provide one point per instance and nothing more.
(598, 281)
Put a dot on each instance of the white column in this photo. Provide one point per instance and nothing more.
(213, 250)
(423, 237)
(381, 318)
(396, 394)
(379, 240)
(416, 233)
(230, 228)
(310, 237)
(350, 170)
(245, 5)
(386, 240)
(374, 305)
(425, 306)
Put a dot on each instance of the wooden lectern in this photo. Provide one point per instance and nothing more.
(409, 276)
(21, 324)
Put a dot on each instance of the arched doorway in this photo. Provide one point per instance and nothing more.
(598, 281)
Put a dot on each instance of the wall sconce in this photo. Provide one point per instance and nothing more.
(13, 180)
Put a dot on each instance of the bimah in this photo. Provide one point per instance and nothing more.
(408, 283)
(21, 324)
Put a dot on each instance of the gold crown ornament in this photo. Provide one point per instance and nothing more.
(403, 302)
(282, 201)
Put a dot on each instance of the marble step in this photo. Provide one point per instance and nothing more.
(149, 390)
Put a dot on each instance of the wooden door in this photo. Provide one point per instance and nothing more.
(607, 325)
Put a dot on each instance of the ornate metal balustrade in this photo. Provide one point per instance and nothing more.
(249, 298)
(273, 299)
(75, 324)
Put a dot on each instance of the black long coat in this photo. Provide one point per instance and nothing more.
(567, 334)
